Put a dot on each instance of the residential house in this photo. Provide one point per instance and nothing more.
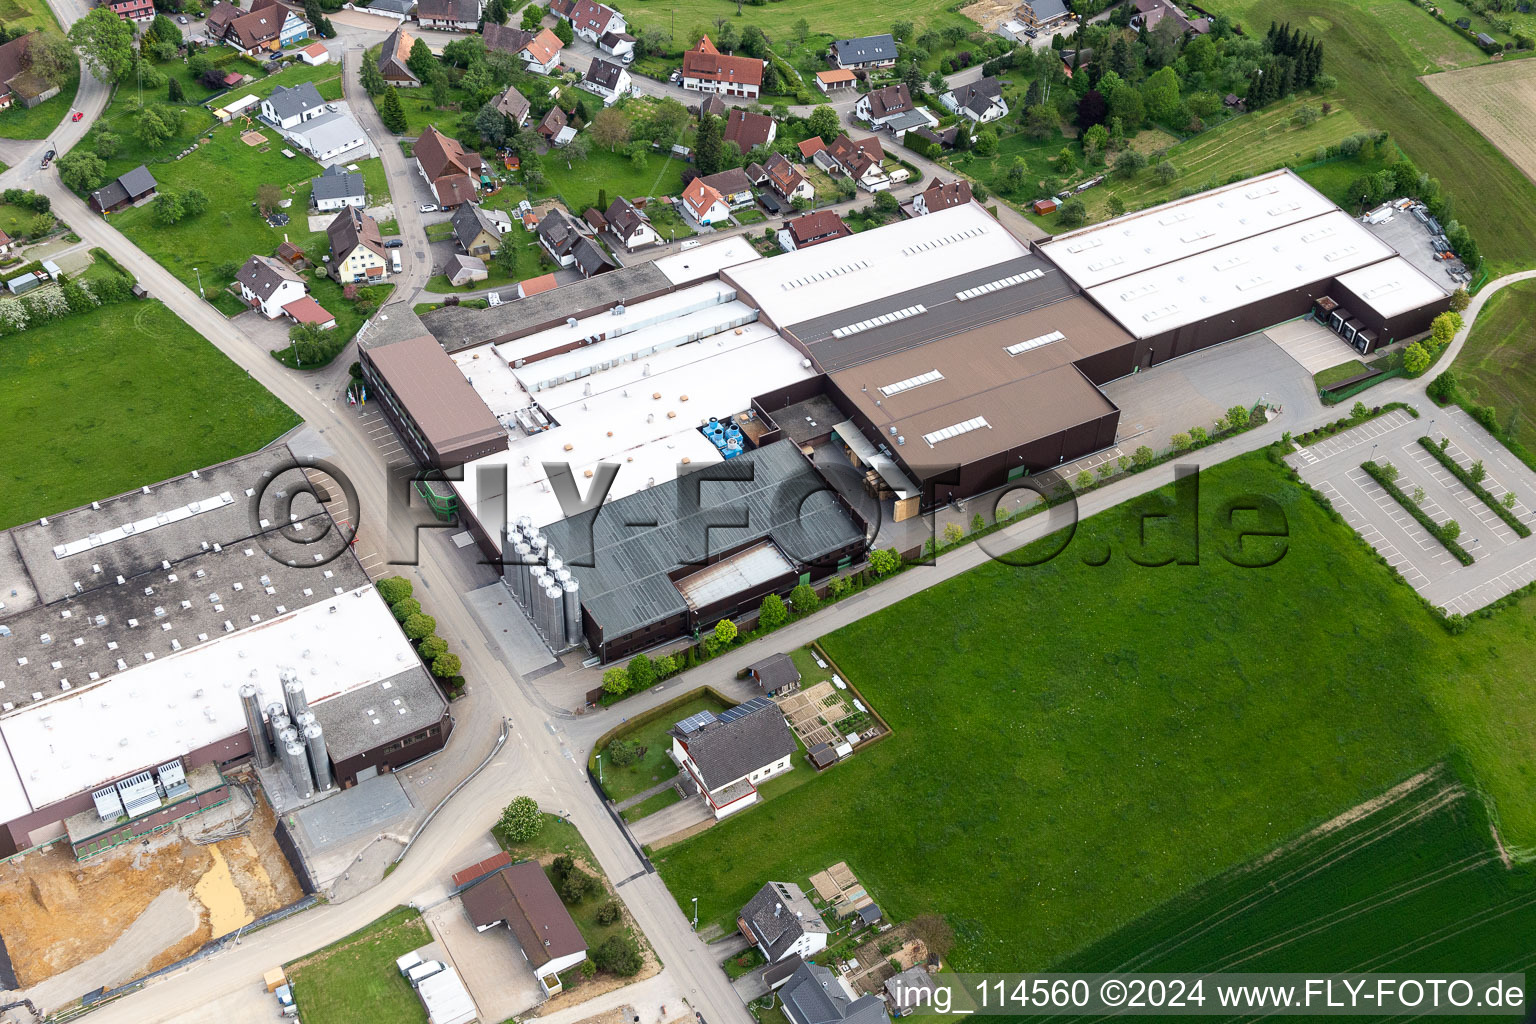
(837, 80)
(756, 173)
(941, 196)
(461, 269)
(449, 15)
(1151, 13)
(452, 172)
(1043, 15)
(393, 56)
(705, 205)
(539, 51)
(536, 286)
(861, 160)
(776, 674)
(981, 101)
(945, 139)
(514, 105)
(136, 186)
(305, 310)
(257, 32)
(783, 178)
(17, 84)
(400, 10)
(6, 242)
(332, 136)
(814, 995)
(132, 10)
(812, 229)
(357, 250)
(881, 106)
(291, 106)
(216, 25)
(865, 52)
(749, 130)
(733, 185)
(314, 53)
(269, 285)
(521, 897)
(336, 188)
(607, 80)
(566, 242)
(292, 28)
(911, 990)
(706, 69)
(630, 225)
(810, 147)
(730, 755)
(713, 105)
(555, 129)
(474, 232)
(781, 921)
(620, 45)
(589, 20)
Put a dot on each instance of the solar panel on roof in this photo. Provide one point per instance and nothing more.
(743, 710)
(696, 721)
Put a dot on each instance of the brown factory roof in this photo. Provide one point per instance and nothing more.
(522, 896)
(1018, 397)
(426, 381)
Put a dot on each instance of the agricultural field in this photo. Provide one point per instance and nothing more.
(356, 978)
(1141, 769)
(1414, 883)
(118, 375)
(1497, 100)
(1495, 366)
(1377, 49)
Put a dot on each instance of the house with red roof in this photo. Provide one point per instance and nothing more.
(705, 205)
(706, 69)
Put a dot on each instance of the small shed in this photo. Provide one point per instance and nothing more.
(24, 283)
(1045, 206)
(775, 675)
(462, 270)
(822, 756)
(52, 270)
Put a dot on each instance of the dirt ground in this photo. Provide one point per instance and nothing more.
(1497, 100)
(56, 913)
(989, 13)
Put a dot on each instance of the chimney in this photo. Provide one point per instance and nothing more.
(778, 908)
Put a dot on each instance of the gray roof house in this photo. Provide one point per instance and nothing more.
(514, 105)
(781, 922)
(132, 187)
(730, 754)
(336, 188)
(289, 106)
(591, 260)
(814, 995)
(865, 52)
(912, 989)
(474, 231)
(461, 269)
(776, 674)
(981, 101)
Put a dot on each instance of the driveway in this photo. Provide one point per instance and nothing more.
(1312, 345)
(490, 962)
(668, 820)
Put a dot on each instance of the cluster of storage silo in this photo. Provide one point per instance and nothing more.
(727, 437)
(547, 590)
(290, 736)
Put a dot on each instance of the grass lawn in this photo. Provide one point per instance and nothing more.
(356, 978)
(377, 184)
(651, 804)
(294, 74)
(750, 216)
(28, 14)
(14, 220)
(1343, 371)
(1397, 905)
(655, 766)
(1495, 364)
(40, 121)
(578, 182)
(99, 404)
(1176, 730)
(231, 230)
(529, 264)
(845, 18)
(1376, 48)
(668, 223)
(420, 111)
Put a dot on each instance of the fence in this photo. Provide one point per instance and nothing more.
(294, 857)
(1350, 390)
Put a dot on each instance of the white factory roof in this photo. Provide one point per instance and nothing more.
(1138, 241)
(1392, 286)
(847, 272)
(707, 260)
(611, 416)
(1211, 283)
(160, 710)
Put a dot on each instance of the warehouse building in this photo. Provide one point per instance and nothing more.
(436, 413)
(150, 639)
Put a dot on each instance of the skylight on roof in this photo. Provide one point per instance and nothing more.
(175, 515)
(1006, 282)
(975, 423)
(1380, 290)
(1091, 242)
(1196, 235)
(1025, 346)
(1256, 281)
(1343, 252)
(1261, 191)
(1230, 263)
(911, 382)
(1139, 292)
(1162, 311)
(1106, 263)
(1318, 235)
(1283, 208)
(1176, 217)
(879, 321)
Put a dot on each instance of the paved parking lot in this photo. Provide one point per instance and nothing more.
(1503, 561)
(493, 967)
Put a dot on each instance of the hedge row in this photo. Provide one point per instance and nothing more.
(1444, 458)
(1436, 531)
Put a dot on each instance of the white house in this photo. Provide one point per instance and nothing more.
(269, 285)
(357, 250)
(981, 101)
(705, 205)
(630, 225)
(589, 20)
(734, 184)
(449, 15)
(786, 180)
(730, 756)
(620, 45)
(881, 106)
(607, 80)
(337, 188)
(315, 53)
(782, 922)
(330, 135)
(290, 106)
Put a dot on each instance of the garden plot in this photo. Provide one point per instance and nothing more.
(828, 713)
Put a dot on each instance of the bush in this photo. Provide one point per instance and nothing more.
(446, 666)
(642, 672)
(1415, 359)
(618, 955)
(616, 681)
(405, 608)
(1443, 387)
(562, 866)
(577, 886)
(432, 647)
(607, 913)
(1142, 457)
(419, 627)
(520, 820)
(393, 589)
(772, 614)
(725, 632)
(622, 753)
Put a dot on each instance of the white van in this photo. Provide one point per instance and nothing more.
(692, 243)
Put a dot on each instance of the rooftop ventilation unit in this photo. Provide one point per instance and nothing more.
(173, 779)
(139, 795)
(109, 806)
(175, 515)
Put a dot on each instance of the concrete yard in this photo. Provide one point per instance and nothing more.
(1503, 562)
(493, 967)
(1312, 345)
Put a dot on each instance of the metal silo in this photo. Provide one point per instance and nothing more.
(319, 759)
(261, 744)
(275, 708)
(556, 633)
(572, 601)
(293, 692)
(298, 768)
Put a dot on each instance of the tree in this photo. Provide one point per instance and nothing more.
(884, 561)
(392, 113)
(50, 57)
(418, 626)
(576, 150)
(1460, 300)
(618, 955)
(394, 589)
(173, 90)
(610, 128)
(771, 614)
(564, 33)
(622, 753)
(1450, 529)
(608, 913)
(1161, 94)
(1237, 417)
(823, 122)
(1039, 121)
(446, 666)
(154, 128)
(642, 672)
(432, 647)
(1444, 327)
(420, 60)
(1443, 387)
(1165, 173)
(1129, 164)
(168, 208)
(912, 76)
(802, 29)
(438, 83)
(616, 681)
(492, 125)
(521, 820)
(725, 632)
(1179, 442)
(1477, 472)
(372, 78)
(82, 170)
(804, 598)
(1095, 140)
(901, 31)
(1091, 109)
(886, 201)
(194, 201)
(706, 150)
(577, 885)
(533, 14)
(309, 346)
(753, 42)
(1415, 359)
(1016, 177)
(986, 142)
(935, 933)
(267, 198)
(1072, 213)
(105, 41)
(1116, 206)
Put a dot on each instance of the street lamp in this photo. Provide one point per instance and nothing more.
(199, 274)
(695, 913)
(599, 769)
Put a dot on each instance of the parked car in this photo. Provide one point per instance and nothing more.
(394, 243)
(48, 157)
(182, 20)
(675, 77)
(428, 208)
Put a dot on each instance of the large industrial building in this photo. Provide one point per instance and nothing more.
(149, 639)
(935, 358)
